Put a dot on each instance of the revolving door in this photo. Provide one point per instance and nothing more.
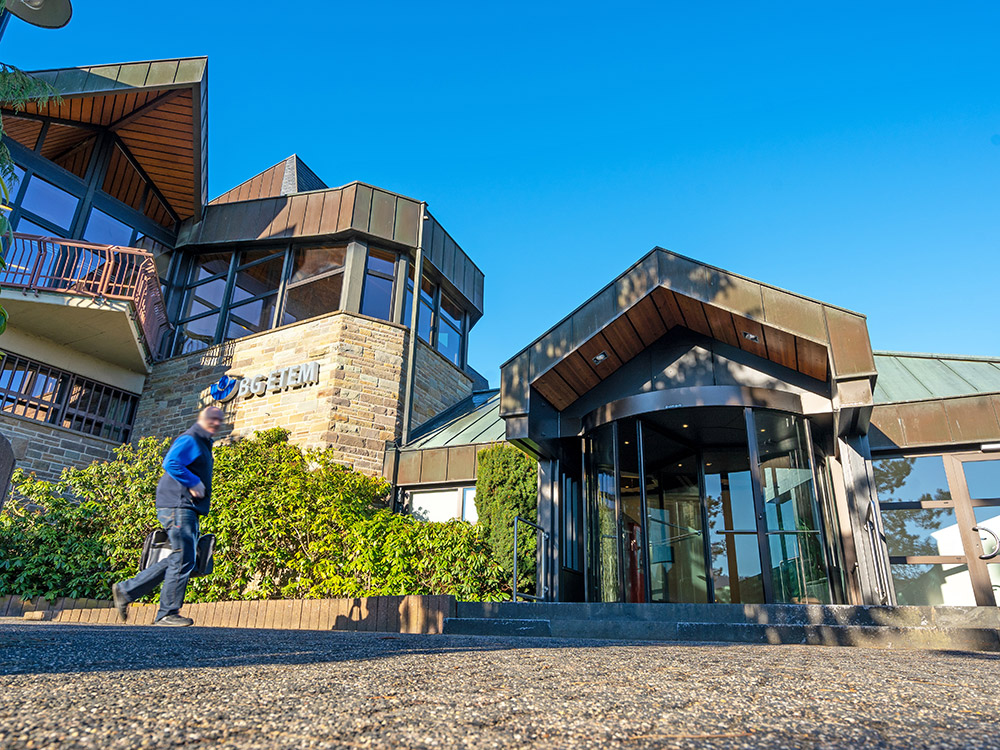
(706, 504)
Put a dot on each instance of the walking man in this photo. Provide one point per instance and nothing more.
(182, 495)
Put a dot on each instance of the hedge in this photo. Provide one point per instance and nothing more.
(289, 523)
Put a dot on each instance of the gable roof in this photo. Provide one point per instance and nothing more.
(287, 177)
(905, 376)
(664, 290)
(159, 112)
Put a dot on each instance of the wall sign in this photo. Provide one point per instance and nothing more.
(275, 381)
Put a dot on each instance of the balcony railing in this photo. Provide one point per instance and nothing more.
(102, 272)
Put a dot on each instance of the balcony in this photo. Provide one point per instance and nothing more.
(101, 300)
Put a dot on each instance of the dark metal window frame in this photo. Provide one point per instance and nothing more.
(59, 411)
(390, 277)
(87, 190)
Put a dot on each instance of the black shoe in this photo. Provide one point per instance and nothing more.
(175, 621)
(121, 603)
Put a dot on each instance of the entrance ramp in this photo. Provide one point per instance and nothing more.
(961, 628)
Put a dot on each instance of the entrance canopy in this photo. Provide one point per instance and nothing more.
(664, 291)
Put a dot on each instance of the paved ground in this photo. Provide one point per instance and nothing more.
(72, 686)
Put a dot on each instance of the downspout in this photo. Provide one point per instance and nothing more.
(411, 359)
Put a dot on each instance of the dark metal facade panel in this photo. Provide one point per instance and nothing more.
(362, 208)
(637, 282)
(685, 276)
(514, 379)
(434, 465)
(849, 343)
(793, 313)
(407, 219)
(409, 467)
(972, 419)
(886, 429)
(383, 214)
(552, 348)
(925, 423)
(347, 201)
(462, 463)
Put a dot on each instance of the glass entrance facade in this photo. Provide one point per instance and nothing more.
(713, 504)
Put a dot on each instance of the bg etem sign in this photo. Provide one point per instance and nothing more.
(276, 381)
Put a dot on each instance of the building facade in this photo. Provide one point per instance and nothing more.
(701, 436)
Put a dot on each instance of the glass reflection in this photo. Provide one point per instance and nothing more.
(983, 479)
(603, 501)
(630, 489)
(933, 584)
(736, 568)
(674, 520)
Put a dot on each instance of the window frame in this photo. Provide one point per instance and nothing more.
(59, 409)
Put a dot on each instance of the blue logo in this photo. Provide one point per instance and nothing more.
(225, 389)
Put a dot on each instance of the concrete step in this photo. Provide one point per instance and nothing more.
(962, 628)
(499, 626)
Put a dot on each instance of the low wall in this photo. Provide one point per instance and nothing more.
(45, 449)
(383, 614)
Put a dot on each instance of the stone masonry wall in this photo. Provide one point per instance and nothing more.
(45, 449)
(438, 384)
(354, 408)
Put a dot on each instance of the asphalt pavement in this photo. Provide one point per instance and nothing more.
(72, 686)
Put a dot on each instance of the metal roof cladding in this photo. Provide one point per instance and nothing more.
(904, 376)
(474, 420)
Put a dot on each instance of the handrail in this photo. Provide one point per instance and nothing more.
(49, 264)
(541, 578)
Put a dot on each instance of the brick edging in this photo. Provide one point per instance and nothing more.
(383, 614)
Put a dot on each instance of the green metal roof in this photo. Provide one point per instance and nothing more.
(903, 376)
(100, 79)
(472, 421)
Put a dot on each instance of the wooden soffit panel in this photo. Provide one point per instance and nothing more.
(575, 370)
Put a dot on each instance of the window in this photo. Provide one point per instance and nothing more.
(449, 335)
(376, 297)
(161, 255)
(254, 296)
(198, 322)
(316, 282)
(440, 319)
(36, 391)
(44, 200)
(469, 511)
(106, 230)
(425, 315)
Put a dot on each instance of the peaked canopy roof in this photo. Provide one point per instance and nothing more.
(287, 177)
(158, 111)
(664, 290)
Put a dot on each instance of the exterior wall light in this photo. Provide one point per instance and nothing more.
(600, 358)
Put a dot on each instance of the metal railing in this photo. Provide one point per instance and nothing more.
(102, 272)
(541, 579)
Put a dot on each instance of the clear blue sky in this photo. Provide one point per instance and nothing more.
(849, 152)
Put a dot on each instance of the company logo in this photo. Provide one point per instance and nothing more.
(275, 381)
(225, 389)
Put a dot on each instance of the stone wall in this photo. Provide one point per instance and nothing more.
(45, 449)
(438, 384)
(354, 407)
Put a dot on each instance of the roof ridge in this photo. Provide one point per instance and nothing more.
(929, 355)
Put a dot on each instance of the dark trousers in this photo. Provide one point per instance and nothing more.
(181, 525)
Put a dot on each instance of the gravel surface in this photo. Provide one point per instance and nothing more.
(103, 687)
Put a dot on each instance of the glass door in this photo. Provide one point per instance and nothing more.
(976, 484)
(923, 526)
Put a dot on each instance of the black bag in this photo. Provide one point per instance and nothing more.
(157, 547)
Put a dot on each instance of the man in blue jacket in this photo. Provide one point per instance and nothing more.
(183, 493)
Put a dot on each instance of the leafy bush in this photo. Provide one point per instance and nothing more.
(289, 523)
(506, 487)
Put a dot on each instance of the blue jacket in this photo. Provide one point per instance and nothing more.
(188, 462)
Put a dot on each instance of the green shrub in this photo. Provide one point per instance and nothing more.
(506, 487)
(289, 523)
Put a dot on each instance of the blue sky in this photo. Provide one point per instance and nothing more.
(848, 152)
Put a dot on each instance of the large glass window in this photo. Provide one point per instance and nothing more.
(440, 319)
(316, 283)
(198, 325)
(376, 296)
(46, 201)
(103, 229)
(603, 499)
(254, 295)
(798, 569)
